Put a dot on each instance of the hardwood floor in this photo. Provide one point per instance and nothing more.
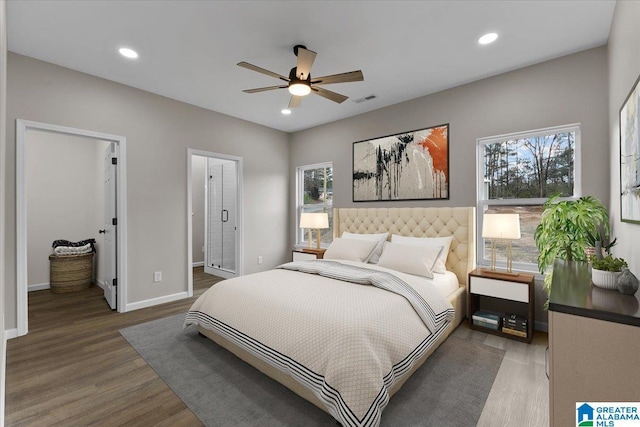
(75, 369)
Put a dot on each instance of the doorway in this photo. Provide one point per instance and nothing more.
(214, 214)
(113, 144)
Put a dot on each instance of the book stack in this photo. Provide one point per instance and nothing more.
(486, 319)
(515, 325)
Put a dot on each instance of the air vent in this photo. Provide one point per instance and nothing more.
(366, 98)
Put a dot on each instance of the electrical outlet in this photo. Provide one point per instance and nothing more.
(157, 276)
(260, 259)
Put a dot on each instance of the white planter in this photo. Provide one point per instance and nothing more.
(604, 279)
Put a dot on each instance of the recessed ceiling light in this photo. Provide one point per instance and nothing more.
(488, 38)
(128, 53)
(286, 111)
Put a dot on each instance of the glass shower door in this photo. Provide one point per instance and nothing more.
(221, 201)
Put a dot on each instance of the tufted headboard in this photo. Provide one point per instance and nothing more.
(418, 222)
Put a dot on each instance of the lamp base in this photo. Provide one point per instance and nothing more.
(490, 272)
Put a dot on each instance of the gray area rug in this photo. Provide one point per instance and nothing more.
(450, 389)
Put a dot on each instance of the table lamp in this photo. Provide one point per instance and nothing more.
(314, 221)
(501, 227)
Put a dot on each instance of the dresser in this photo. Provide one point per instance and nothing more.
(594, 343)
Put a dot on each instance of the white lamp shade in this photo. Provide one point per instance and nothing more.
(501, 226)
(314, 220)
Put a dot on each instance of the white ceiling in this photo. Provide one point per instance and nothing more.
(189, 49)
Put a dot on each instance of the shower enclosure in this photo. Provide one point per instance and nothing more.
(221, 201)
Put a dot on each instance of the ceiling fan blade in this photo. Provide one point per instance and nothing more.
(264, 89)
(305, 61)
(295, 101)
(261, 70)
(335, 97)
(351, 76)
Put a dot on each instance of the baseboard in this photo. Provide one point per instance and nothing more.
(38, 287)
(99, 283)
(11, 333)
(156, 301)
(198, 264)
(541, 326)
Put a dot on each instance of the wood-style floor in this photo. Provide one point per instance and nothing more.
(75, 369)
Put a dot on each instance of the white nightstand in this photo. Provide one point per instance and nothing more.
(495, 287)
(304, 254)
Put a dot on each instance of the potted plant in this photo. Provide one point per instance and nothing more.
(605, 271)
(599, 244)
(564, 231)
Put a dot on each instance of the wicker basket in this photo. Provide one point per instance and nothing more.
(70, 273)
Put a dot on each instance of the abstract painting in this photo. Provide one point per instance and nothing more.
(630, 157)
(407, 166)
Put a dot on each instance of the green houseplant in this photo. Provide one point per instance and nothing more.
(605, 271)
(565, 231)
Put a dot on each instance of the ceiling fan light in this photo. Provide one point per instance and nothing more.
(299, 89)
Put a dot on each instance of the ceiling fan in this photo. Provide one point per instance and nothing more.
(300, 82)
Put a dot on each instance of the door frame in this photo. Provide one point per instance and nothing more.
(191, 152)
(22, 126)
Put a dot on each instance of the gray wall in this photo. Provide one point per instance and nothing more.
(198, 170)
(567, 90)
(65, 197)
(624, 68)
(158, 130)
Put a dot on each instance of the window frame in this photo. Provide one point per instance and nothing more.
(482, 204)
(301, 236)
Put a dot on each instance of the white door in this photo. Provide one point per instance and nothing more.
(109, 249)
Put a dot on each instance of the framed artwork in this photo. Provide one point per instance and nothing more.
(407, 166)
(630, 157)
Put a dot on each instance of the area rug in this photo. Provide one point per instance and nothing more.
(450, 389)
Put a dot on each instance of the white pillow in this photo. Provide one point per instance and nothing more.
(443, 242)
(416, 260)
(380, 238)
(350, 249)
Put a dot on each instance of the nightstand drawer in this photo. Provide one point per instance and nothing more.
(303, 256)
(499, 289)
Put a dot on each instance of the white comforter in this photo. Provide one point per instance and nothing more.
(348, 343)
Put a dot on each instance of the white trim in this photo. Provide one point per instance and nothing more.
(198, 264)
(300, 235)
(11, 334)
(481, 202)
(191, 152)
(157, 301)
(38, 287)
(21, 212)
(100, 283)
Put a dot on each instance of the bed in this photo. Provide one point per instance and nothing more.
(345, 347)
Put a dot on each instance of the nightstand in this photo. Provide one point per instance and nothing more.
(500, 294)
(304, 254)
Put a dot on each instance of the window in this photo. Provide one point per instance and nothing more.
(314, 193)
(517, 173)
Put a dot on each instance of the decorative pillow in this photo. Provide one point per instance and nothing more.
(380, 238)
(410, 259)
(350, 249)
(443, 242)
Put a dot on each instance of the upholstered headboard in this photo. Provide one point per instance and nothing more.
(418, 222)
